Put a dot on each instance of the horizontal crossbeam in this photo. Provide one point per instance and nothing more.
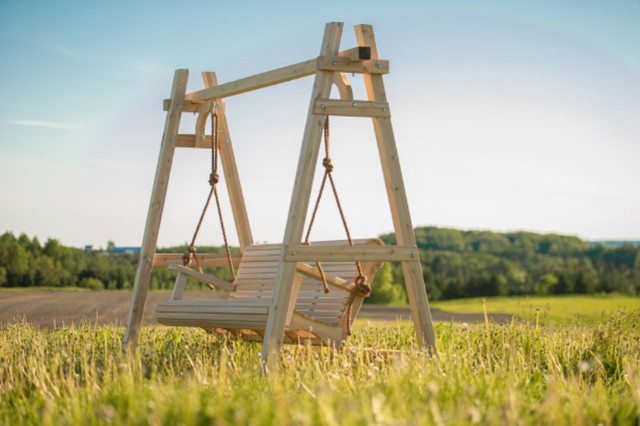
(348, 61)
(345, 64)
(360, 53)
(352, 253)
(207, 260)
(351, 108)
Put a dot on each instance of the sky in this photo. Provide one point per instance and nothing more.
(508, 115)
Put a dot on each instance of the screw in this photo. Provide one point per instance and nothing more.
(333, 62)
(177, 103)
(413, 252)
(293, 253)
(201, 137)
(226, 142)
(383, 108)
(148, 260)
(322, 106)
(353, 104)
(171, 139)
(379, 66)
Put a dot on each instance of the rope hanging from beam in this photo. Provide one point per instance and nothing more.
(191, 254)
(362, 287)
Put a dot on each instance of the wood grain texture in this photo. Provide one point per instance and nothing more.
(156, 207)
(274, 331)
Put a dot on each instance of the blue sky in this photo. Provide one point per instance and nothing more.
(508, 115)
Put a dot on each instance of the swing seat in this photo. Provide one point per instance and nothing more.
(317, 317)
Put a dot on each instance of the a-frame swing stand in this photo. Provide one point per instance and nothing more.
(329, 68)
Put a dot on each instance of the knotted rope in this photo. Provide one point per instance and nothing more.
(214, 178)
(360, 281)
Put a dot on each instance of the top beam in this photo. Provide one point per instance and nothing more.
(347, 63)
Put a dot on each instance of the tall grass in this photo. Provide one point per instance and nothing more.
(508, 374)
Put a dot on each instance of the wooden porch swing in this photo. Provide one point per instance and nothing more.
(298, 290)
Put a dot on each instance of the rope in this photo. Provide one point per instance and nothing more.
(214, 178)
(362, 287)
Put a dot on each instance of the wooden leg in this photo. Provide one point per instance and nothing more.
(282, 294)
(397, 196)
(156, 205)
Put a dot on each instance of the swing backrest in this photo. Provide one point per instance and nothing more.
(257, 273)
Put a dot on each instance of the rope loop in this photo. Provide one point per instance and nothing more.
(214, 178)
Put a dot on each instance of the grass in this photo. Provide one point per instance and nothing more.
(516, 373)
(552, 309)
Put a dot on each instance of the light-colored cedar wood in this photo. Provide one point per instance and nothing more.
(156, 205)
(288, 73)
(343, 85)
(304, 253)
(202, 277)
(353, 54)
(207, 260)
(396, 194)
(351, 108)
(269, 295)
(201, 121)
(253, 292)
(230, 168)
(330, 334)
(191, 141)
(187, 106)
(258, 81)
(295, 289)
(342, 64)
(300, 199)
(178, 286)
(332, 280)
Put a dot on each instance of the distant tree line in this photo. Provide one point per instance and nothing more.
(455, 264)
(458, 264)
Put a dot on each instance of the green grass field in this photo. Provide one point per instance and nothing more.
(553, 309)
(504, 374)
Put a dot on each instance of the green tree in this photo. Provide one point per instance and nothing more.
(384, 291)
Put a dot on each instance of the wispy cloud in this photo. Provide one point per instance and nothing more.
(49, 124)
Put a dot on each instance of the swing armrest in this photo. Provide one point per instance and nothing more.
(332, 280)
(203, 277)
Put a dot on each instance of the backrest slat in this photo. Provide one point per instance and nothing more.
(258, 269)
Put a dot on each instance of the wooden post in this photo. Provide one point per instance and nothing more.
(414, 280)
(156, 205)
(282, 293)
(230, 168)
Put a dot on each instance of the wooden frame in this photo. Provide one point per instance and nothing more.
(329, 68)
